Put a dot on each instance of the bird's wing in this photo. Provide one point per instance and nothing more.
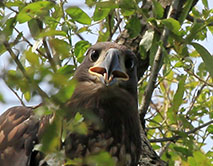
(18, 134)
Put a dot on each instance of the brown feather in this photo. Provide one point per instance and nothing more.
(118, 111)
(18, 132)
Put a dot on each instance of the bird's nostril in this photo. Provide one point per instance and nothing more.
(98, 70)
(120, 75)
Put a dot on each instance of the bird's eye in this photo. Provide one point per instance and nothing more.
(94, 55)
(129, 63)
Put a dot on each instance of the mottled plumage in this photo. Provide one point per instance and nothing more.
(107, 89)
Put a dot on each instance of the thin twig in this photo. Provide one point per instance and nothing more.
(12, 9)
(110, 25)
(164, 148)
(49, 57)
(194, 99)
(175, 138)
(16, 94)
(80, 37)
(142, 79)
(206, 134)
(152, 104)
(114, 29)
(201, 80)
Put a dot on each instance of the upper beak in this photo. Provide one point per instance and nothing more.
(111, 68)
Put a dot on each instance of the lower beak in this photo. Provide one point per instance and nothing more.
(111, 68)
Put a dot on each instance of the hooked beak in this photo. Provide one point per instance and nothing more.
(111, 69)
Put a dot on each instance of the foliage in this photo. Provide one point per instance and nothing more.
(52, 44)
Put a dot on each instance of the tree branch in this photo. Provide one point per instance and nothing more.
(30, 43)
(18, 63)
(175, 138)
(192, 19)
(156, 65)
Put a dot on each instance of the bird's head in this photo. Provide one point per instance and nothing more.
(109, 64)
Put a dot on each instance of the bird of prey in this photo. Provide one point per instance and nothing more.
(106, 88)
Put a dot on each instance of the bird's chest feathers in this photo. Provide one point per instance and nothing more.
(116, 111)
(106, 102)
(114, 107)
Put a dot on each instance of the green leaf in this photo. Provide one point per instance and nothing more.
(77, 125)
(147, 39)
(17, 3)
(206, 56)
(178, 97)
(153, 49)
(7, 31)
(66, 92)
(101, 159)
(158, 9)
(185, 122)
(42, 111)
(156, 147)
(179, 64)
(90, 3)
(133, 26)
(60, 80)
(209, 21)
(127, 12)
(100, 13)
(78, 15)
(32, 57)
(52, 32)
(210, 129)
(34, 28)
(51, 136)
(196, 32)
(2, 98)
(80, 48)
(198, 159)
(172, 24)
(2, 49)
(205, 3)
(61, 47)
(66, 70)
(102, 9)
(172, 116)
(127, 5)
(83, 29)
(74, 162)
(185, 11)
(78, 117)
(103, 36)
(34, 10)
(182, 150)
(27, 96)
